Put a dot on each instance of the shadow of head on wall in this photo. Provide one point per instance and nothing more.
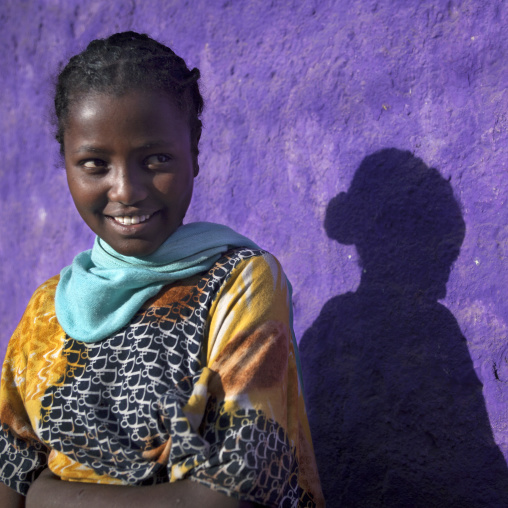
(396, 409)
(404, 221)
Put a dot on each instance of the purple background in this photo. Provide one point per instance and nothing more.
(297, 95)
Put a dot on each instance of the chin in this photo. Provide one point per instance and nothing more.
(135, 248)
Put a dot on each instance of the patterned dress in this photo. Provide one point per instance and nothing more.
(202, 384)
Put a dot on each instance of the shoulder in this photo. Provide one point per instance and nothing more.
(252, 266)
(42, 301)
(46, 291)
(253, 277)
(39, 314)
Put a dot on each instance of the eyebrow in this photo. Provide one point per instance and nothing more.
(155, 144)
(90, 148)
(143, 146)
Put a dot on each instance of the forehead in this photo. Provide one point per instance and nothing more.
(133, 115)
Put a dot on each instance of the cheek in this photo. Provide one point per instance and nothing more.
(175, 190)
(186, 194)
(84, 195)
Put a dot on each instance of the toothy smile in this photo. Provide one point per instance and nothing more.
(127, 220)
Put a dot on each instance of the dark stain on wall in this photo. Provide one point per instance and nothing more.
(395, 406)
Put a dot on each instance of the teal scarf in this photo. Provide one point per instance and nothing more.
(101, 290)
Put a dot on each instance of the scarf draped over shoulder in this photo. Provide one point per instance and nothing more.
(101, 291)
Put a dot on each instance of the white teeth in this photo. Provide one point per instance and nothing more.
(127, 220)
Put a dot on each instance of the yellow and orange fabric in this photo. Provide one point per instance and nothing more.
(202, 384)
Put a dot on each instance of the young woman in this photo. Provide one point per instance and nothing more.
(162, 359)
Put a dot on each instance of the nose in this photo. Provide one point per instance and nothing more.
(128, 184)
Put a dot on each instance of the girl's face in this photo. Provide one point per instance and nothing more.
(130, 167)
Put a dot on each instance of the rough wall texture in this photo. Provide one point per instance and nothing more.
(408, 397)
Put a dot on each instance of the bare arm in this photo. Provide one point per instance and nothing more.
(48, 491)
(9, 498)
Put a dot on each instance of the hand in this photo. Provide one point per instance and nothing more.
(43, 486)
(9, 498)
(48, 491)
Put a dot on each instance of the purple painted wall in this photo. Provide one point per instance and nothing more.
(405, 411)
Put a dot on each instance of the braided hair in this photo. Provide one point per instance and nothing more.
(123, 62)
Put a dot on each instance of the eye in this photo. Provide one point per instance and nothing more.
(157, 161)
(93, 164)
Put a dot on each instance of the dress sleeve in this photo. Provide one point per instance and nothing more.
(22, 454)
(247, 404)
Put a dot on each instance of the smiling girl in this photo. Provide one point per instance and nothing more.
(158, 369)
